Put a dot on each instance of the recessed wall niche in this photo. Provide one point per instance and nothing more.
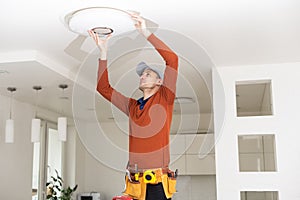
(259, 195)
(253, 98)
(257, 153)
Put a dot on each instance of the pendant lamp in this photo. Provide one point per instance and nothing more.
(9, 126)
(62, 121)
(36, 123)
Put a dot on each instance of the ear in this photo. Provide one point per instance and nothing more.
(159, 82)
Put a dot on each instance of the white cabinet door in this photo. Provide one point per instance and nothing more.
(198, 165)
(193, 154)
(177, 144)
(200, 144)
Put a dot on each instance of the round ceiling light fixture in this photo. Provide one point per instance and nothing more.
(102, 20)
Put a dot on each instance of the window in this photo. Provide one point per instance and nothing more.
(257, 153)
(259, 195)
(253, 98)
(47, 157)
(35, 170)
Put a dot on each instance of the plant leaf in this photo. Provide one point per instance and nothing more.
(58, 177)
(75, 188)
(54, 179)
(57, 187)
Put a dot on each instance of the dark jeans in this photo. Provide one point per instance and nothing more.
(155, 192)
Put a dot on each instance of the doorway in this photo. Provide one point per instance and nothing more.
(47, 157)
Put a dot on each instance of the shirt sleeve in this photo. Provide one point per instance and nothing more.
(108, 92)
(171, 70)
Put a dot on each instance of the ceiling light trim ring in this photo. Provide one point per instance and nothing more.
(84, 19)
(109, 31)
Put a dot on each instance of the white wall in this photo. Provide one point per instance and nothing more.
(284, 124)
(16, 158)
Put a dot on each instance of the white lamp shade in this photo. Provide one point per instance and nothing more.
(35, 130)
(9, 131)
(62, 128)
(82, 20)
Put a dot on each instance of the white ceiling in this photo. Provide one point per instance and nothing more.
(35, 46)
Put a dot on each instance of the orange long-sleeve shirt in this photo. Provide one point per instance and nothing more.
(149, 128)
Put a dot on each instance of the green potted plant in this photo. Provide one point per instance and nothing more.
(55, 190)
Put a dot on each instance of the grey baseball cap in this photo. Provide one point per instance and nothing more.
(142, 66)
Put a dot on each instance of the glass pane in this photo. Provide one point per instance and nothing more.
(47, 157)
(54, 154)
(259, 195)
(35, 170)
(253, 98)
(257, 153)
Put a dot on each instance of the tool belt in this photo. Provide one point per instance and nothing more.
(136, 182)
